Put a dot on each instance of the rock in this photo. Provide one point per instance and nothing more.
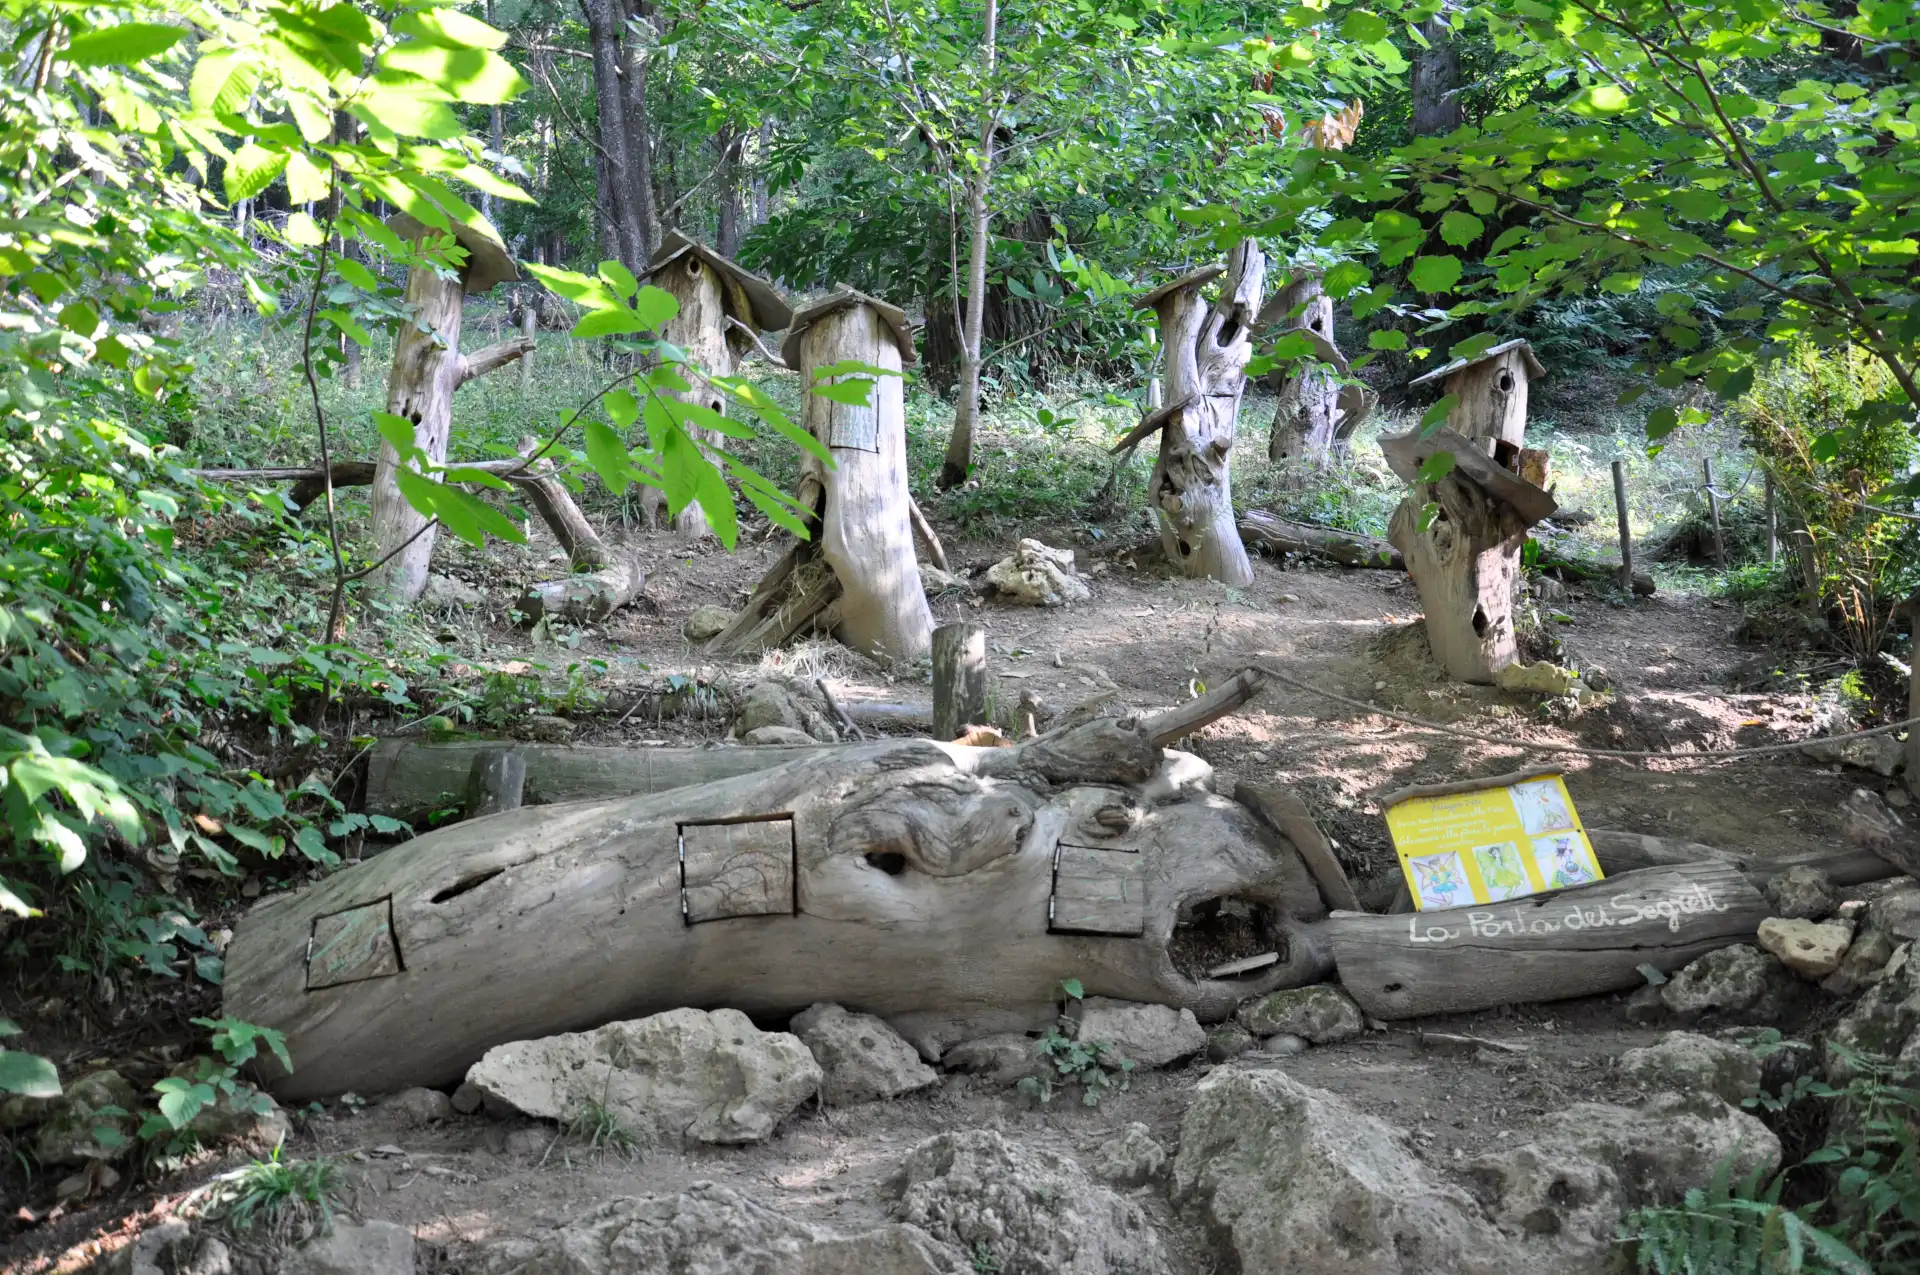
(1802, 893)
(683, 1076)
(1002, 1059)
(770, 703)
(253, 1120)
(1229, 1040)
(420, 1106)
(170, 1247)
(1322, 1014)
(1038, 576)
(1897, 911)
(934, 581)
(1031, 1211)
(1740, 981)
(1540, 679)
(1810, 949)
(81, 1128)
(1150, 1035)
(467, 1099)
(1285, 1045)
(1297, 1183)
(1881, 754)
(528, 1144)
(706, 621)
(371, 1248)
(544, 728)
(777, 735)
(446, 593)
(1130, 1158)
(1882, 1022)
(710, 1229)
(861, 1057)
(1687, 1061)
(1646, 1007)
(1862, 966)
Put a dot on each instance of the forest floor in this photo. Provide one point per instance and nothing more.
(1673, 663)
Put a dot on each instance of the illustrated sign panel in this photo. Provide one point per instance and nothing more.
(1097, 891)
(736, 869)
(1491, 845)
(353, 945)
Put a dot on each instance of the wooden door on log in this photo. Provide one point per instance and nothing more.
(352, 945)
(737, 867)
(1097, 890)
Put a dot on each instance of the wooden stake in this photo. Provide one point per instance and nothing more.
(1626, 529)
(497, 781)
(959, 678)
(1773, 534)
(1713, 511)
(529, 328)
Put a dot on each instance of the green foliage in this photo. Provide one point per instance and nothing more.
(598, 1129)
(26, 1074)
(1731, 1228)
(284, 1197)
(1096, 1066)
(213, 1084)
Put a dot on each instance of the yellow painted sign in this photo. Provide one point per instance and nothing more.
(1499, 843)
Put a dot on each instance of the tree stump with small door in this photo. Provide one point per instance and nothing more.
(857, 577)
(1314, 414)
(712, 291)
(427, 368)
(1205, 375)
(1461, 531)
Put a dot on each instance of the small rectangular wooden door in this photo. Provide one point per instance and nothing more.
(1097, 891)
(352, 945)
(737, 868)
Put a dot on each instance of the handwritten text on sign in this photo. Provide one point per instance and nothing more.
(1621, 910)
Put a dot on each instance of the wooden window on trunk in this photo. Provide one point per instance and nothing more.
(1097, 891)
(737, 867)
(352, 946)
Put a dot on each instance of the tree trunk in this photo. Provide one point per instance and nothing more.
(959, 679)
(426, 372)
(913, 879)
(762, 156)
(1307, 417)
(1436, 78)
(604, 21)
(701, 330)
(726, 236)
(1205, 374)
(639, 131)
(530, 329)
(966, 405)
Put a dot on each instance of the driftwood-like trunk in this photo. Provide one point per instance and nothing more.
(701, 330)
(1207, 349)
(1260, 529)
(915, 880)
(1307, 414)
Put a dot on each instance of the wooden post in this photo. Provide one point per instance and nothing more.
(1626, 528)
(496, 781)
(529, 328)
(1773, 526)
(959, 679)
(1713, 511)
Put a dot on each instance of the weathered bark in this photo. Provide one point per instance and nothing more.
(913, 879)
(929, 541)
(966, 403)
(1288, 815)
(701, 330)
(637, 57)
(1350, 549)
(496, 782)
(1555, 946)
(1436, 80)
(605, 19)
(1307, 417)
(1620, 852)
(959, 679)
(1207, 349)
(529, 330)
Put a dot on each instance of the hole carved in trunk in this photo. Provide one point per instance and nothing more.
(1209, 933)
(463, 885)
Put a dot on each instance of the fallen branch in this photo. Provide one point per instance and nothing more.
(936, 552)
(483, 361)
(1177, 723)
(1262, 530)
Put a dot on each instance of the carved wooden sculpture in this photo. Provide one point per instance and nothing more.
(945, 887)
(1314, 414)
(1466, 558)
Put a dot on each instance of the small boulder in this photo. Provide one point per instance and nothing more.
(1284, 1045)
(250, 1119)
(1811, 949)
(419, 1106)
(771, 703)
(543, 728)
(683, 1076)
(467, 1099)
(1883, 1022)
(446, 593)
(861, 1058)
(1687, 1061)
(934, 581)
(1130, 1158)
(1802, 893)
(706, 621)
(371, 1248)
(1031, 1211)
(1004, 1058)
(1150, 1035)
(777, 735)
(1543, 678)
(1228, 1041)
(1038, 576)
(1739, 981)
(1862, 966)
(1881, 754)
(1320, 1014)
(1897, 911)
(92, 1120)
(170, 1247)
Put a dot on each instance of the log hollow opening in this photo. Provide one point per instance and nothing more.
(464, 884)
(1209, 933)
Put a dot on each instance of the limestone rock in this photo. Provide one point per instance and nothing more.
(1130, 1158)
(446, 593)
(934, 581)
(1883, 1021)
(467, 1099)
(772, 703)
(1543, 678)
(1297, 1183)
(254, 1121)
(1881, 754)
(711, 1229)
(169, 1247)
(544, 728)
(372, 1248)
(777, 735)
(1038, 576)
(80, 1129)
(1002, 1059)
(1811, 949)
(419, 1106)
(1032, 1211)
(1320, 1014)
(683, 1076)
(1738, 981)
(1284, 1045)
(1897, 911)
(1228, 1041)
(861, 1057)
(1688, 1061)
(706, 621)
(1150, 1035)
(1802, 893)
(1862, 966)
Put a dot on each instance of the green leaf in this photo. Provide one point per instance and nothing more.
(607, 323)
(1361, 27)
(1073, 988)
(303, 231)
(469, 74)
(856, 392)
(398, 431)
(449, 27)
(716, 499)
(654, 306)
(251, 170)
(356, 274)
(1344, 277)
(28, 1075)
(1461, 229)
(1435, 274)
(122, 45)
(1599, 100)
(1386, 339)
(607, 454)
(622, 410)
(181, 1100)
(619, 278)
(1436, 416)
(1438, 466)
(306, 180)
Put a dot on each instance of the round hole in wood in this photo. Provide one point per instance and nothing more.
(1506, 379)
(891, 864)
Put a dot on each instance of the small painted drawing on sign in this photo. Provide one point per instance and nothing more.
(1543, 806)
(1563, 861)
(1501, 869)
(1441, 880)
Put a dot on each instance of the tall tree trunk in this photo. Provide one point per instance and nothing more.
(700, 328)
(1436, 77)
(727, 232)
(1304, 418)
(497, 128)
(639, 117)
(604, 20)
(760, 157)
(966, 409)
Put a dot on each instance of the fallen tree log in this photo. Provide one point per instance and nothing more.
(1569, 943)
(1620, 852)
(1564, 568)
(945, 887)
(584, 599)
(1262, 530)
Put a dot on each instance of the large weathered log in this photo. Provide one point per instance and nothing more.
(910, 879)
(587, 598)
(1260, 529)
(1569, 943)
(1620, 852)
